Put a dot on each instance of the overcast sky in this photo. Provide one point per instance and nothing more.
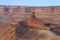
(31, 2)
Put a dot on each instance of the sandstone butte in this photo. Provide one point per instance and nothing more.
(7, 32)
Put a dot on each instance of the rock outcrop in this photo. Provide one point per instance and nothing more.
(29, 29)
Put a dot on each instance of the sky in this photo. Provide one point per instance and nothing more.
(30, 2)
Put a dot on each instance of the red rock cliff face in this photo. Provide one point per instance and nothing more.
(11, 15)
(16, 13)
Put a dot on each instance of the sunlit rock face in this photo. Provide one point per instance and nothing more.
(13, 14)
(34, 29)
(30, 29)
(13, 32)
(29, 33)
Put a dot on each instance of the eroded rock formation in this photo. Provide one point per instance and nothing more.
(33, 28)
(30, 29)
